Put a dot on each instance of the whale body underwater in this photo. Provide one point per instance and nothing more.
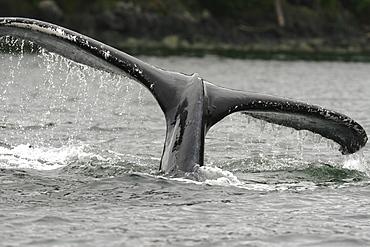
(191, 105)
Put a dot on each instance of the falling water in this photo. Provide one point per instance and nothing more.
(80, 150)
(66, 104)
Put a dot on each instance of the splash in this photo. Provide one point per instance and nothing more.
(357, 162)
(216, 176)
(49, 101)
(85, 104)
(42, 158)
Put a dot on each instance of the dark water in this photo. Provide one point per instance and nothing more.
(80, 150)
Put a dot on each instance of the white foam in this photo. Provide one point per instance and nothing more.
(216, 176)
(211, 175)
(42, 158)
(206, 175)
(357, 162)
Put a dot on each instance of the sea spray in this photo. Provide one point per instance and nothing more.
(43, 158)
(357, 162)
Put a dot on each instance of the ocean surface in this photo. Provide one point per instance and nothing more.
(80, 152)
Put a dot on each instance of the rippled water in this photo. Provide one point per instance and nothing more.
(80, 150)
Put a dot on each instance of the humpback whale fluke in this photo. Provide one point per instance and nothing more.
(190, 104)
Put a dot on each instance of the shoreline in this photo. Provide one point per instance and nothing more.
(309, 32)
(311, 50)
(299, 50)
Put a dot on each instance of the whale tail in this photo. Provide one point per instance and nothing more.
(190, 104)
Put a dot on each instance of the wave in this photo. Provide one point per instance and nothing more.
(253, 174)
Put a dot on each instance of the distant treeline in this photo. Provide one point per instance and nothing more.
(268, 26)
(251, 10)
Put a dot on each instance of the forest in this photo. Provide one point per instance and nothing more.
(308, 26)
(249, 9)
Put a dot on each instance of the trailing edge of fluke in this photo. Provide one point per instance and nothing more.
(190, 104)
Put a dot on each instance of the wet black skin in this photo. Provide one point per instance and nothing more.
(190, 104)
